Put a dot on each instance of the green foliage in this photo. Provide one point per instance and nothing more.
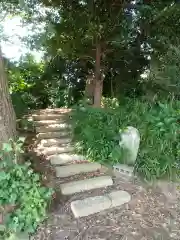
(23, 201)
(96, 130)
(27, 87)
(25, 124)
(159, 155)
(110, 102)
(11, 150)
(164, 72)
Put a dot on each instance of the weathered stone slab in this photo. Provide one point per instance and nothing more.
(85, 185)
(130, 140)
(53, 111)
(73, 169)
(48, 116)
(64, 158)
(54, 142)
(48, 122)
(53, 128)
(91, 205)
(41, 147)
(57, 150)
(52, 135)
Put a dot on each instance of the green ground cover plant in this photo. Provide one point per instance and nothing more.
(23, 200)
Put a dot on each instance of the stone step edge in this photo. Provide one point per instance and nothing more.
(54, 147)
(50, 142)
(51, 128)
(49, 135)
(92, 205)
(41, 123)
(49, 117)
(52, 110)
(85, 185)
(62, 159)
(51, 151)
(74, 169)
(50, 114)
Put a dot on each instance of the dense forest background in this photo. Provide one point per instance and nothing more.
(116, 49)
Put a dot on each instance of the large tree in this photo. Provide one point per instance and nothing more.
(110, 41)
(116, 37)
(88, 31)
(7, 115)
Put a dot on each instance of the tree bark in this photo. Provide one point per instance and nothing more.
(98, 93)
(7, 115)
(98, 82)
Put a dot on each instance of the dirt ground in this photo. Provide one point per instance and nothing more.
(152, 213)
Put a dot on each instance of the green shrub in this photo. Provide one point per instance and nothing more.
(110, 103)
(23, 102)
(21, 191)
(95, 132)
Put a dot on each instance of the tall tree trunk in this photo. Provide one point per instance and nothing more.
(98, 82)
(98, 93)
(7, 115)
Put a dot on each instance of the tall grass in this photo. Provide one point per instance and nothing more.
(95, 133)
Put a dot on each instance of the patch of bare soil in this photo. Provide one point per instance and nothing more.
(150, 215)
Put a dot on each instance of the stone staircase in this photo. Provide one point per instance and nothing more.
(54, 141)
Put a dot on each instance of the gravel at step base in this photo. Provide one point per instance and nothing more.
(78, 177)
(73, 169)
(132, 220)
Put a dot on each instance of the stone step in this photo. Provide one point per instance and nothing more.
(91, 205)
(73, 169)
(48, 116)
(56, 150)
(47, 135)
(49, 122)
(53, 128)
(54, 142)
(53, 111)
(64, 158)
(85, 185)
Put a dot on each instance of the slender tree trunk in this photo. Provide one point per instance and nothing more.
(7, 115)
(98, 82)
